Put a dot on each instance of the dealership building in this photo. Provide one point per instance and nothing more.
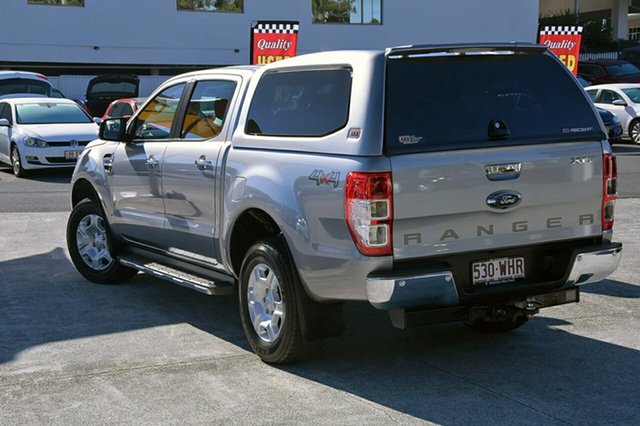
(157, 38)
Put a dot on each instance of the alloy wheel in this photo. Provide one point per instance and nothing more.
(91, 240)
(15, 161)
(265, 303)
(635, 132)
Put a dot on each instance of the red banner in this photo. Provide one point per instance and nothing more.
(273, 41)
(565, 43)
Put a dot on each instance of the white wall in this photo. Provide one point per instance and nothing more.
(154, 32)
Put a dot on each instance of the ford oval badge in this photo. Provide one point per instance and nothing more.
(503, 199)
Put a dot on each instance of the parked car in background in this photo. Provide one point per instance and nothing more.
(104, 89)
(610, 120)
(123, 107)
(43, 133)
(23, 84)
(603, 71)
(631, 54)
(612, 123)
(622, 100)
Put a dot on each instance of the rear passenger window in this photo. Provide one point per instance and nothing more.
(207, 109)
(300, 103)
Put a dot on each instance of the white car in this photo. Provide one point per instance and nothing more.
(23, 84)
(623, 100)
(43, 133)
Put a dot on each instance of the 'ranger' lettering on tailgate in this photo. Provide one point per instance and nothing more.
(517, 226)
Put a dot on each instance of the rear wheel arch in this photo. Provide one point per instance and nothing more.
(251, 226)
(318, 320)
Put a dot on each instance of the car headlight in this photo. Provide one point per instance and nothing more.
(615, 119)
(35, 142)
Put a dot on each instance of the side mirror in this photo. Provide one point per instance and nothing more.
(114, 129)
(619, 102)
(4, 122)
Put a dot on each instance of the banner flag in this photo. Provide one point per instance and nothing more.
(565, 43)
(273, 41)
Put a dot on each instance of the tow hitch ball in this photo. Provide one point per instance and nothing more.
(530, 306)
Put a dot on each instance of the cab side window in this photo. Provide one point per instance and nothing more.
(156, 119)
(207, 109)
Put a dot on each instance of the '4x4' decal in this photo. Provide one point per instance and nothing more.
(322, 178)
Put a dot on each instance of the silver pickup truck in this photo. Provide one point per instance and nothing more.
(467, 183)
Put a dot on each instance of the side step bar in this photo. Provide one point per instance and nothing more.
(185, 279)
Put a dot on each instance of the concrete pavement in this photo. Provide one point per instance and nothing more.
(149, 352)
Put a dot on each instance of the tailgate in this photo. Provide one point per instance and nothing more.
(460, 201)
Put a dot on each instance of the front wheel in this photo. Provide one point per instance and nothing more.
(91, 245)
(634, 131)
(16, 163)
(269, 305)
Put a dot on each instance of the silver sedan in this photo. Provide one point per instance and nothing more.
(623, 100)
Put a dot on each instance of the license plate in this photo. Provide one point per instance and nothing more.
(71, 155)
(497, 271)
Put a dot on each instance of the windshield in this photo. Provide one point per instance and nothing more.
(445, 103)
(50, 113)
(622, 69)
(22, 85)
(633, 94)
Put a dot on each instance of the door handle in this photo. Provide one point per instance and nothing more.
(151, 161)
(203, 163)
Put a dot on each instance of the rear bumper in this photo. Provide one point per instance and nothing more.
(438, 288)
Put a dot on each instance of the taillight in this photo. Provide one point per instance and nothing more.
(369, 211)
(610, 190)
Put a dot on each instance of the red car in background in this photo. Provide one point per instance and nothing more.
(604, 71)
(123, 107)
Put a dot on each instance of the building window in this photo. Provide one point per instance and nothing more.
(235, 6)
(634, 33)
(347, 11)
(58, 2)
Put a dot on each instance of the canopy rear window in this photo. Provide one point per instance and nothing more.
(450, 102)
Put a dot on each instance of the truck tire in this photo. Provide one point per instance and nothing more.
(517, 319)
(269, 304)
(91, 245)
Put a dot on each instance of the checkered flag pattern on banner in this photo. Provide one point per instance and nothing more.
(276, 29)
(561, 31)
